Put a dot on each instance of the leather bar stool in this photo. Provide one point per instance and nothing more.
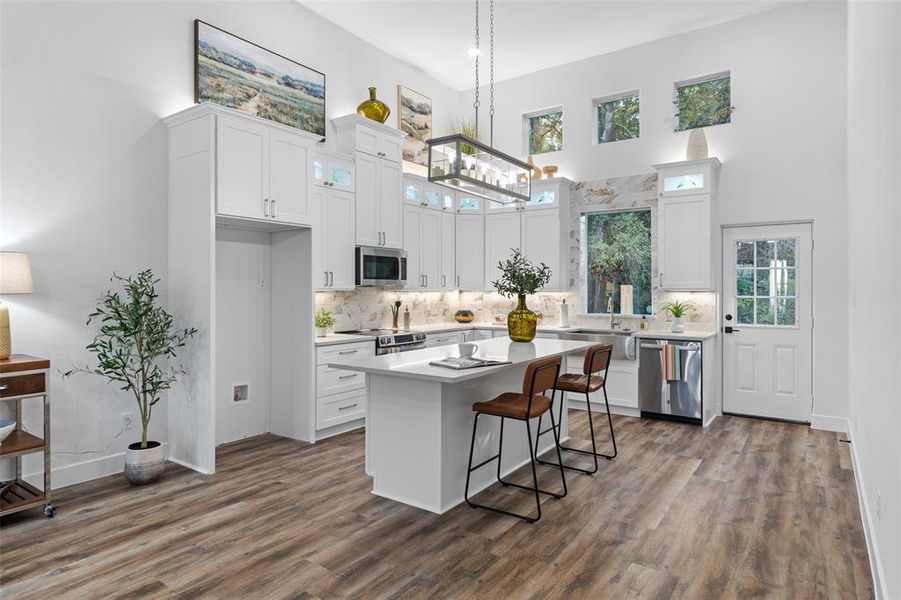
(541, 375)
(597, 361)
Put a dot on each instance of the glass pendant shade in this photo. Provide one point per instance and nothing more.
(467, 165)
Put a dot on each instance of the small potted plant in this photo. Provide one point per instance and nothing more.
(677, 310)
(324, 322)
(137, 338)
(519, 277)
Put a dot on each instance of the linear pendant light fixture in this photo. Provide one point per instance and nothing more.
(469, 166)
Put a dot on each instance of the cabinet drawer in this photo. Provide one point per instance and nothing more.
(22, 385)
(444, 339)
(334, 381)
(340, 408)
(325, 354)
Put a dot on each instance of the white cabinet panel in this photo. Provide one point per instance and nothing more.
(288, 190)
(502, 234)
(366, 140)
(242, 156)
(340, 408)
(684, 238)
(622, 385)
(340, 239)
(334, 381)
(327, 354)
(469, 250)
(448, 279)
(368, 231)
(390, 202)
(412, 229)
(541, 242)
(478, 334)
(391, 147)
(444, 339)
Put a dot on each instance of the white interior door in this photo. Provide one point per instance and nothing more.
(767, 321)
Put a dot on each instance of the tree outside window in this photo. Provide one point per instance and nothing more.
(704, 103)
(618, 118)
(545, 132)
(618, 253)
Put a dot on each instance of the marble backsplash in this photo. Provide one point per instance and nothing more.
(366, 308)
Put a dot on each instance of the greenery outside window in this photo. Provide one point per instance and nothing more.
(704, 102)
(617, 117)
(543, 131)
(618, 252)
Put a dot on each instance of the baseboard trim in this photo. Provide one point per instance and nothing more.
(625, 411)
(880, 587)
(80, 472)
(324, 434)
(830, 423)
(191, 466)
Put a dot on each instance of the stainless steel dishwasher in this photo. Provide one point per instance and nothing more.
(678, 399)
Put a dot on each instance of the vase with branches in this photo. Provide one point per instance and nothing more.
(520, 277)
(136, 340)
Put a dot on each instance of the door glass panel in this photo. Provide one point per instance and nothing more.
(433, 198)
(766, 282)
(448, 202)
(469, 203)
(318, 170)
(544, 198)
(341, 176)
(412, 194)
(683, 182)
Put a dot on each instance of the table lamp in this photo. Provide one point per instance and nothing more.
(15, 278)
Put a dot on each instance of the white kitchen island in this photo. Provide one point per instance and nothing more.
(419, 419)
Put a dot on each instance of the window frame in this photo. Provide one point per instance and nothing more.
(583, 256)
(694, 81)
(595, 117)
(527, 116)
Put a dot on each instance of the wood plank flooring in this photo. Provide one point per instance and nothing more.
(743, 509)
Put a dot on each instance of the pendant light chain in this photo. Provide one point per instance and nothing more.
(476, 103)
(491, 63)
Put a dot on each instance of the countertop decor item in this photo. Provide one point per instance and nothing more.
(407, 317)
(135, 348)
(15, 278)
(536, 170)
(697, 145)
(625, 300)
(519, 277)
(464, 316)
(677, 310)
(374, 108)
(324, 321)
(395, 312)
(414, 117)
(564, 314)
(22, 379)
(233, 72)
(550, 171)
(486, 173)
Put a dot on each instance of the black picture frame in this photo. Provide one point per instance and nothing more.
(313, 122)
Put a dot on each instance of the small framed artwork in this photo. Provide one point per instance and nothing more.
(414, 116)
(233, 72)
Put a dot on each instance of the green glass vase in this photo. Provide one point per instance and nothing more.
(373, 108)
(522, 323)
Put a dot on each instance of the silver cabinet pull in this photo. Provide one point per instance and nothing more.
(347, 351)
(272, 202)
(326, 279)
(426, 281)
(444, 281)
(331, 278)
(346, 407)
(4, 387)
(351, 376)
(458, 281)
(265, 207)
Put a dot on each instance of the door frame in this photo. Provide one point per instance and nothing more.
(721, 289)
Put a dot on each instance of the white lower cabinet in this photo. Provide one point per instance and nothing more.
(622, 383)
(444, 339)
(341, 395)
(474, 335)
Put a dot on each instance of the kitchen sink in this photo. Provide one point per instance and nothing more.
(623, 342)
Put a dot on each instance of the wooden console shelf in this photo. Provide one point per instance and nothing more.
(24, 378)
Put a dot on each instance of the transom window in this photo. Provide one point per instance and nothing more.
(617, 117)
(703, 102)
(618, 254)
(766, 282)
(543, 131)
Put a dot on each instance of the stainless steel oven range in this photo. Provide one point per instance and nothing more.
(390, 341)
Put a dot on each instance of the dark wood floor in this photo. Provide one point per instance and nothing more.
(745, 508)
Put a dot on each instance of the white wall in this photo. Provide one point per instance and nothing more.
(874, 276)
(83, 180)
(783, 154)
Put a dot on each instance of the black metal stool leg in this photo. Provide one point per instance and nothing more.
(555, 427)
(594, 449)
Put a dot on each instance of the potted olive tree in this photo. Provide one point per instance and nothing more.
(519, 277)
(136, 339)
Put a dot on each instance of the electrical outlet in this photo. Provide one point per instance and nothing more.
(878, 504)
(128, 420)
(261, 284)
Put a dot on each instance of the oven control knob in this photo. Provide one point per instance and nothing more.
(384, 341)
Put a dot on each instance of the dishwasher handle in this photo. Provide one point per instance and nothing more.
(692, 347)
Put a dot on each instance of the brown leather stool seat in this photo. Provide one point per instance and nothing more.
(573, 382)
(514, 406)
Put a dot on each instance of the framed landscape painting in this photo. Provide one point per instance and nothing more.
(414, 116)
(233, 72)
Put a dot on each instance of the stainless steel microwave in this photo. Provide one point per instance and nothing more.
(381, 267)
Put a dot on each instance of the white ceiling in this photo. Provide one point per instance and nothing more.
(435, 35)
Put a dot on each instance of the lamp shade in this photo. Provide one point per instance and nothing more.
(15, 273)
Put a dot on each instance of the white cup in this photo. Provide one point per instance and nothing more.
(467, 350)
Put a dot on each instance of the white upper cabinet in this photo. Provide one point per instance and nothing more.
(339, 239)
(377, 151)
(687, 225)
(262, 171)
(333, 170)
(503, 233)
(430, 245)
(430, 248)
(469, 251)
(546, 193)
(541, 233)
(412, 239)
(419, 192)
(469, 205)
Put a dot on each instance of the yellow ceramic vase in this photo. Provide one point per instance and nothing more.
(522, 323)
(373, 108)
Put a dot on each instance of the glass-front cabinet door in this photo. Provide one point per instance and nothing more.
(543, 197)
(334, 172)
(469, 204)
(413, 191)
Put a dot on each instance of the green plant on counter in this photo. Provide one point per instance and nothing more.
(520, 277)
(135, 341)
(324, 318)
(678, 309)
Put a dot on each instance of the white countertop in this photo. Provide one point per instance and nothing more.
(415, 364)
(669, 335)
(343, 338)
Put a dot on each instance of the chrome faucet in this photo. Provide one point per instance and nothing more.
(613, 322)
